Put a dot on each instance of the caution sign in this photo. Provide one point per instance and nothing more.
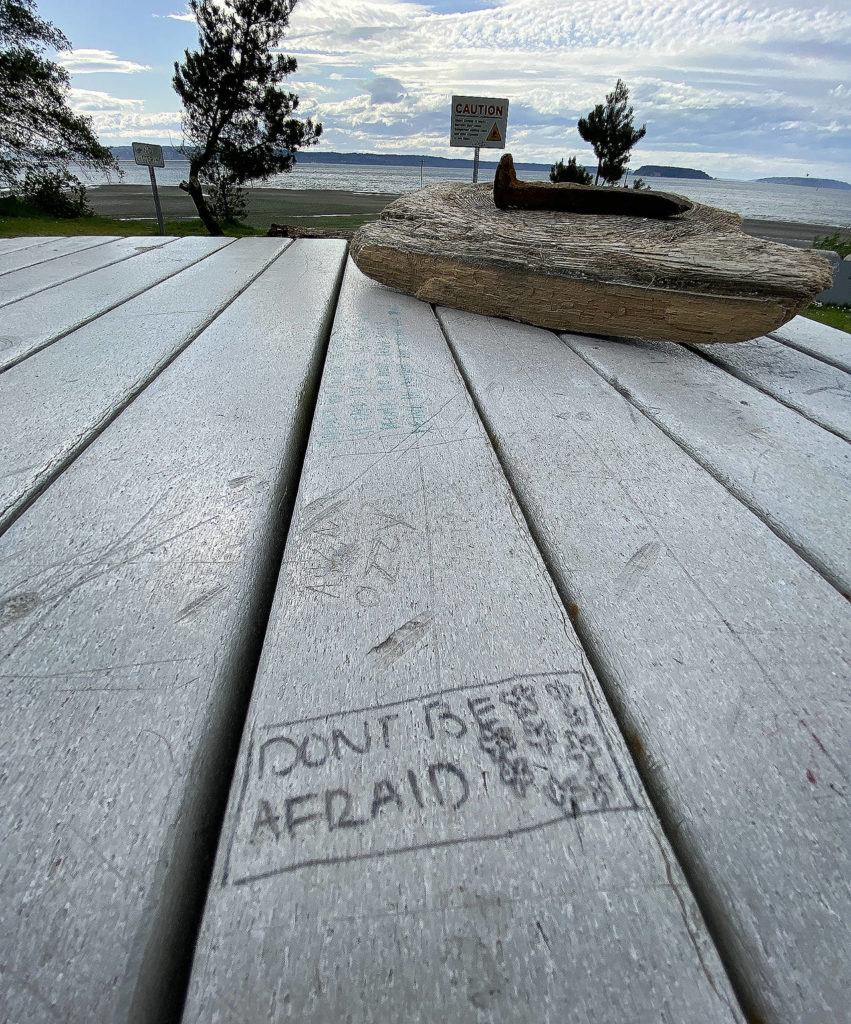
(478, 121)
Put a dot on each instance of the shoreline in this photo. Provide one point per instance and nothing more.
(280, 206)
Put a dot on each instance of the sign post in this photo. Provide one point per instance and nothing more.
(147, 155)
(480, 122)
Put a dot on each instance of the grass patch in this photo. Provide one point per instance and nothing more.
(341, 213)
(833, 316)
(16, 219)
(326, 222)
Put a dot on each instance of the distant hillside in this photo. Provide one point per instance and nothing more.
(126, 153)
(661, 171)
(807, 182)
(371, 159)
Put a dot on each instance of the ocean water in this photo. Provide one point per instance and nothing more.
(751, 199)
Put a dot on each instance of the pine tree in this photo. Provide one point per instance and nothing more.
(609, 129)
(570, 171)
(236, 119)
(39, 133)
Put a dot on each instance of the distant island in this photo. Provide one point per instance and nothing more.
(319, 156)
(807, 182)
(312, 156)
(661, 171)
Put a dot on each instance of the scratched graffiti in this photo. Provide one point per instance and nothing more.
(342, 556)
(479, 762)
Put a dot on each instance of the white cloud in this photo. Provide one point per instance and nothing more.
(741, 85)
(702, 73)
(88, 101)
(116, 117)
(147, 125)
(90, 62)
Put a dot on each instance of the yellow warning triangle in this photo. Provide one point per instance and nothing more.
(494, 134)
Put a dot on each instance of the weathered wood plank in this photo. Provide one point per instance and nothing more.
(818, 340)
(819, 391)
(30, 324)
(464, 837)
(724, 653)
(792, 473)
(29, 280)
(28, 256)
(26, 242)
(54, 404)
(132, 608)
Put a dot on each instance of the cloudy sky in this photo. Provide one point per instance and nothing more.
(738, 88)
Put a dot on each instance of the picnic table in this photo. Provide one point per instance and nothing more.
(368, 661)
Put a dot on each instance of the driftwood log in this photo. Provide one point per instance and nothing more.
(511, 193)
(695, 277)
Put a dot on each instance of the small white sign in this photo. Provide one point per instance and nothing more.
(478, 121)
(148, 155)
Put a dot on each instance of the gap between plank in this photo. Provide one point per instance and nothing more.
(700, 889)
(813, 561)
(807, 352)
(109, 309)
(227, 746)
(697, 349)
(70, 457)
(83, 273)
(107, 240)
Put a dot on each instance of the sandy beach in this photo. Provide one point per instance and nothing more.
(281, 206)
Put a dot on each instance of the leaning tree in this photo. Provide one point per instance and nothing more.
(39, 133)
(236, 118)
(610, 130)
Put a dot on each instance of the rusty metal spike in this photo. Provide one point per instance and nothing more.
(511, 193)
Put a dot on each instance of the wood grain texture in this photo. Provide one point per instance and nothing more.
(32, 323)
(818, 340)
(54, 404)
(695, 277)
(31, 255)
(795, 475)
(433, 817)
(132, 605)
(820, 391)
(724, 653)
(29, 280)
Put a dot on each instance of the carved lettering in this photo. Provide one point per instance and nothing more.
(420, 772)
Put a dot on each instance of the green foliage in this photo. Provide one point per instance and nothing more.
(37, 127)
(609, 128)
(226, 199)
(234, 113)
(639, 183)
(56, 193)
(570, 171)
(832, 315)
(834, 242)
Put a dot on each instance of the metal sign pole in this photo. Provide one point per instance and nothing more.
(160, 224)
(475, 165)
